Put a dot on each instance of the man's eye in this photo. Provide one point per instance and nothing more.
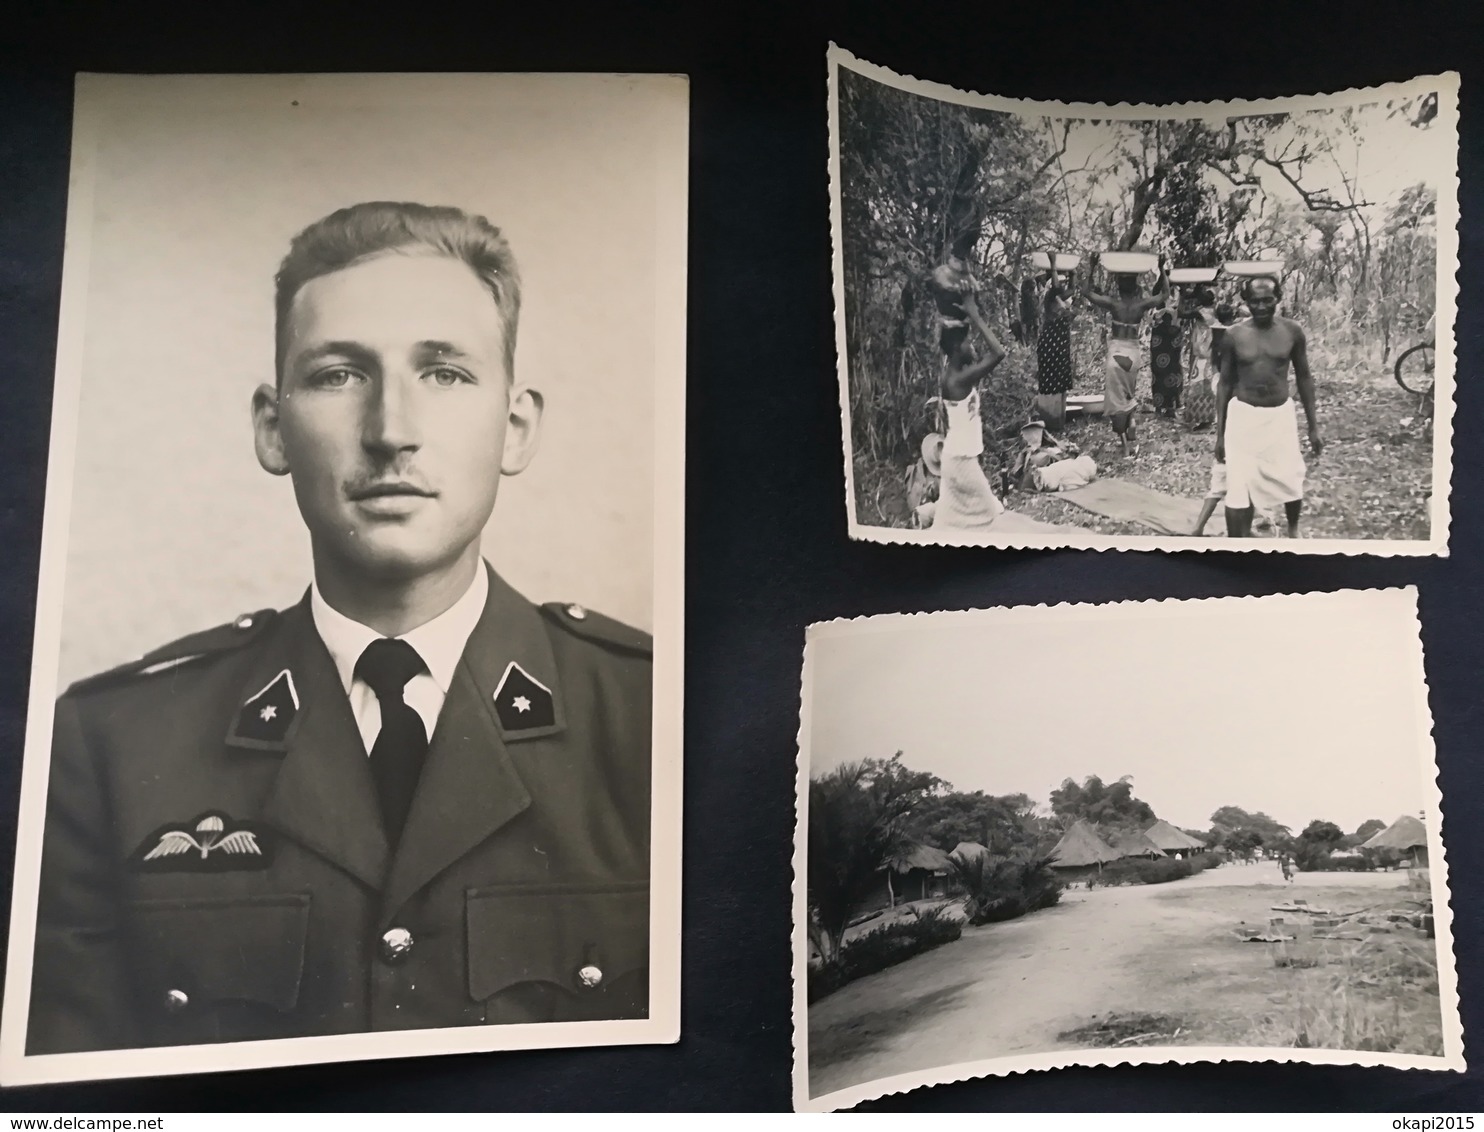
(448, 376)
(334, 377)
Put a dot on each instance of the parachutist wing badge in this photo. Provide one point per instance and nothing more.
(212, 843)
(171, 843)
(240, 842)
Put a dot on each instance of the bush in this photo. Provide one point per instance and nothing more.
(1336, 865)
(884, 947)
(1004, 888)
(1139, 870)
(1200, 862)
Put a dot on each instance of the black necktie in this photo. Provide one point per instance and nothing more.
(397, 755)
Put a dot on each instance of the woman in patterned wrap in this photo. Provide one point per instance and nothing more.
(1198, 408)
(1164, 364)
(1054, 372)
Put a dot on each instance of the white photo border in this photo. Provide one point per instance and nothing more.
(670, 106)
(1436, 544)
(1393, 602)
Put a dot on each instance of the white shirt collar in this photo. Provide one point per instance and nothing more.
(440, 642)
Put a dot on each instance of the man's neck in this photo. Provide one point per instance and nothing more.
(395, 606)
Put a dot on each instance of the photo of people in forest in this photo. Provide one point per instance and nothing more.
(1219, 323)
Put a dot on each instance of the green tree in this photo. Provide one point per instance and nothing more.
(1229, 819)
(1365, 831)
(1111, 808)
(856, 816)
(1000, 823)
(1243, 843)
(1318, 840)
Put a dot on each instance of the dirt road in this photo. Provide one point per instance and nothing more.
(1011, 988)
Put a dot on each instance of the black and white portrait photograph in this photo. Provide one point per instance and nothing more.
(355, 709)
(1145, 327)
(1146, 832)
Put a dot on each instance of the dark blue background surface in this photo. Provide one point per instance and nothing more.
(767, 551)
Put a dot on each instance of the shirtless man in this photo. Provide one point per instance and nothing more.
(1127, 309)
(1256, 426)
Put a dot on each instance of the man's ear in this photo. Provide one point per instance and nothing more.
(522, 430)
(267, 438)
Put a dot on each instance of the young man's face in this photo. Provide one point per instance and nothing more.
(394, 414)
(1262, 301)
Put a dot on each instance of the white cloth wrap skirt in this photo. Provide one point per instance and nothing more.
(965, 499)
(1121, 381)
(1264, 467)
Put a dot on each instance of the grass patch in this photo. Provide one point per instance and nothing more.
(1134, 1029)
(1374, 480)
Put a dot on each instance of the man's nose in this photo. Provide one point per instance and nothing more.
(391, 419)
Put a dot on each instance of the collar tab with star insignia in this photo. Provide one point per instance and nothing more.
(524, 706)
(264, 719)
(212, 843)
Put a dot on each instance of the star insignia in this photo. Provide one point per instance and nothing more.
(523, 703)
(265, 716)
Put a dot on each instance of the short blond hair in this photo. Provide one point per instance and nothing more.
(364, 231)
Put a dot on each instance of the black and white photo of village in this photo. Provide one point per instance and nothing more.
(1141, 835)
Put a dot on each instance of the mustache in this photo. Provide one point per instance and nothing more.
(370, 485)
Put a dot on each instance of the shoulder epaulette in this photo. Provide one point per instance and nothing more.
(209, 642)
(583, 622)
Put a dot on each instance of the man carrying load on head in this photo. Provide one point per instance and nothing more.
(1256, 426)
(1126, 310)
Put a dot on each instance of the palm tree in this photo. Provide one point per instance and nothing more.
(856, 812)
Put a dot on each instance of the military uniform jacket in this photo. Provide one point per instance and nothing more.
(215, 868)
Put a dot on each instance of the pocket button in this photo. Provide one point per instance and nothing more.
(590, 976)
(176, 1001)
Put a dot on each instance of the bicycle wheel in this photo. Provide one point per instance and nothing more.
(1414, 369)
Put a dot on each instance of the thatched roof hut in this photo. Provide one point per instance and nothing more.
(921, 870)
(1168, 839)
(1137, 845)
(1404, 834)
(1080, 847)
(925, 857)
(968, 850)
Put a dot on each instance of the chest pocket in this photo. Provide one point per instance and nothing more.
(567, 953)
(219, 969)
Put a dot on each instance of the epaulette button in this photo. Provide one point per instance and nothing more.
(244, 622)
(576, 612)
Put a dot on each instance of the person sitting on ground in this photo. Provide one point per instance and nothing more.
(965, 499)
(1256, 425)
(1126, 310)
(1047, 464)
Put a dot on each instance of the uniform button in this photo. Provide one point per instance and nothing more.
(396, 944)
(176, 1001)
(590, 976)
(243, 622)
(576, 612)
